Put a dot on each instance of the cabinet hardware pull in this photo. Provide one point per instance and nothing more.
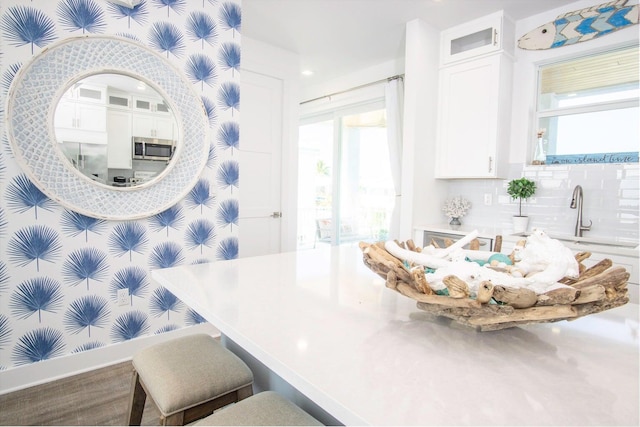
(490, 161)
(495, 37)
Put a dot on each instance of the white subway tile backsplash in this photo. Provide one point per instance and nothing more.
(611, 199)
(631, 173)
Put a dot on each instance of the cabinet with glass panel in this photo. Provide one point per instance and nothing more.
(474, 99)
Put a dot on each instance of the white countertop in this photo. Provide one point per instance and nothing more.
(610, 245)
(327, 325)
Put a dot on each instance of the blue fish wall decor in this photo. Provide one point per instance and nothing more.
(581, 25)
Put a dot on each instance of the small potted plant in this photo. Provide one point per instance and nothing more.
(522, 188)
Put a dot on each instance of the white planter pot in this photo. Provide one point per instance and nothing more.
(520, 224)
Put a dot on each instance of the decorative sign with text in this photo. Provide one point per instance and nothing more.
(570, 159)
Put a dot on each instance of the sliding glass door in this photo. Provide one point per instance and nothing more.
(345, 189)
(315, 183)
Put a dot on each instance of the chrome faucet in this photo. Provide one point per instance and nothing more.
(576, 202)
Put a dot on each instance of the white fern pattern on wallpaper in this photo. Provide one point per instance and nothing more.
(59, 270)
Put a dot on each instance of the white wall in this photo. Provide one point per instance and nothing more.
(361, 77)
(419, 188)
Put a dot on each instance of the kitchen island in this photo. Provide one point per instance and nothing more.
(327, 325)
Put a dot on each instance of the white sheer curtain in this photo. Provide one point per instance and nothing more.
(394, 101)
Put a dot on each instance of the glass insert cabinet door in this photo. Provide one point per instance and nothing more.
(486, 35)
(346, 192)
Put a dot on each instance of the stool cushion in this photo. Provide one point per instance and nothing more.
(263, 409)
(190, 370)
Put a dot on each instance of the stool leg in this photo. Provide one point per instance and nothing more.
(176, 419)
(244, 392)
(136, 404)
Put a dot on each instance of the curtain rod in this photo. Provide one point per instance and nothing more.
(388, 79)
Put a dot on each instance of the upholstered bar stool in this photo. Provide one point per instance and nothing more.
(263, 409)
(187, 378)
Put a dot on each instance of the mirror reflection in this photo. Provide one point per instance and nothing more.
(116, 130)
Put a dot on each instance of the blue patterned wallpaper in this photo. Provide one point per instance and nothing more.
(60, 270)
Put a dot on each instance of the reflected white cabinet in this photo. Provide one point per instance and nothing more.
(150, 105)
(82, 108)
(473, 118)
(119, 153)
(153, 126)
(86, 93)
(116, 99)
(489, 34)
(80, 115)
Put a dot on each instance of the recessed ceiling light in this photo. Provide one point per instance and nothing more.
(307, 73)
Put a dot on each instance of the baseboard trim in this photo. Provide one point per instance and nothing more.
(22, 377)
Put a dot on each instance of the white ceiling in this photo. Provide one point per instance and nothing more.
(335, 37)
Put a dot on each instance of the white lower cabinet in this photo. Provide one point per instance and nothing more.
(630, 263)
(474, 118)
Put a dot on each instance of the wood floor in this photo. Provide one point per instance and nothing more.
(98, 397)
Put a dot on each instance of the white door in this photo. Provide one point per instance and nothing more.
(261, 106)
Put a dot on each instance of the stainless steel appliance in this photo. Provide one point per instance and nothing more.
(152, 148)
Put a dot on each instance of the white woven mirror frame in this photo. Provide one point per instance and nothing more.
(31, 105)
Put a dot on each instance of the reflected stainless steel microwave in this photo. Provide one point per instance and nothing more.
(152, 148)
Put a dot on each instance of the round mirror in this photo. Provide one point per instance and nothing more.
(116, 130)
(34, 99)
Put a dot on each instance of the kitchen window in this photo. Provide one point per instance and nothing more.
(587, 109)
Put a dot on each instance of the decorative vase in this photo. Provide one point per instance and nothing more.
(540, 157)
(520, 224)
(455, 221)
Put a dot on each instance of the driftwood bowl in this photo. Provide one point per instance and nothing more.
(598, 288)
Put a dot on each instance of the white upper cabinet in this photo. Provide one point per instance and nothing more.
(474, 100)
(150, 105)
(489, 34)
(473, 119)
(121, 100)
(154, 126)
(77, 115)
(82, 107)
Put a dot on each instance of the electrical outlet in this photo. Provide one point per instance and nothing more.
(123, 296)
(488, 199)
